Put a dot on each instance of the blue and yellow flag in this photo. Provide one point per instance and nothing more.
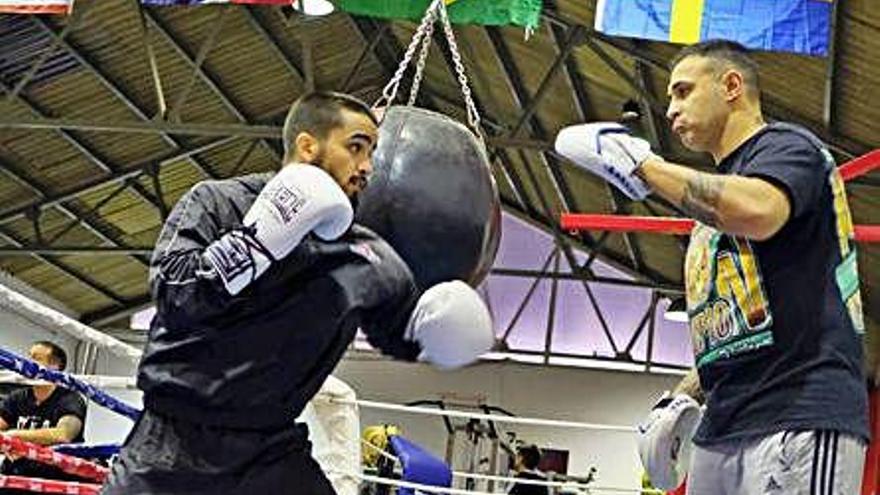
(800, 26)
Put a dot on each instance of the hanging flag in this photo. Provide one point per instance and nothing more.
(488, 12)
(35, 6)
(800, 26)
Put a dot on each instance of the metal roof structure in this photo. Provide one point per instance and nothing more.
(90, 164)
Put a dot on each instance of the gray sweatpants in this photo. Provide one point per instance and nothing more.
(821, 462)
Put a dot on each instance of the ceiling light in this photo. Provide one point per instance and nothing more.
(313, 7)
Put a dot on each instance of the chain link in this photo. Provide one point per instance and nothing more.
(473, 115)
(422, 39)
(389, 92)
(420, 65)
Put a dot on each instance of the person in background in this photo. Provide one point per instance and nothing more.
(526, 465)
(43, 414)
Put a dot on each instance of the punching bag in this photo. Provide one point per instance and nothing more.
(432, 197)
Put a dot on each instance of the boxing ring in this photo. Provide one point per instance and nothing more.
(333, 418)
(333, 415)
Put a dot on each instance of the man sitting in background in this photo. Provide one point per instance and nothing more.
(42, 414)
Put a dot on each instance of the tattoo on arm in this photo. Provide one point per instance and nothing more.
(702, 195)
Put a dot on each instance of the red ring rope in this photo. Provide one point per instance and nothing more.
(682, 226)
(665, 225)
(860, 166)
(38, 485)
(68, 464)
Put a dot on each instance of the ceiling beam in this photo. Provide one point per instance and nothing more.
(115, 89)
(654, 121)
(630, 79)
(204, 49)
(51, 250)
(11, 238)
(520, 95)
(245, 131)
(612, 258)
(91, 224)
(204, 74)
(77, 143)
(258, 23)
(369, 47)
(565, 48)
(521, 98)
(104, 233)
(159, 160)
(574, 79)
(109, 314)
(525, 273)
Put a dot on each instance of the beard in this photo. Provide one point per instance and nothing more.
(318, 161)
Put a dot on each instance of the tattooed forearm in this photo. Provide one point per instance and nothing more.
(702, 195)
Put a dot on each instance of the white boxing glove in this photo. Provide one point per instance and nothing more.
(299, 199)
(664, 440)
(451, 324)
(608, 150)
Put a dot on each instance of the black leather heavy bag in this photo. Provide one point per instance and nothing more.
(432, 197)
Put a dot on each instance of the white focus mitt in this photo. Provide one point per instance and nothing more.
(299, 199)
(451, 324)
(664, 440)
(608, 150)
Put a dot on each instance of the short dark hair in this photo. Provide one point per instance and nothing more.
(531, 455)
(56, 353)
(728, 52)
(319, 112)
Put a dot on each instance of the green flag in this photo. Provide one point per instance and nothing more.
(491, 12)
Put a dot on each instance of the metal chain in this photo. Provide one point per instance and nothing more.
(424, 36)
(420, 65)
(473, 115)
(389, 92)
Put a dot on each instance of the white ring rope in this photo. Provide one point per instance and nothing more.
(523, 481)
(456, 491)
(416, 486)
(381, 452)
(369, 404)
(461, 474)
(51, 319)
(558, 484)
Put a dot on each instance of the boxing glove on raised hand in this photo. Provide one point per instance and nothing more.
(299, 199)
(451, 324)
(664, 440)
(608, 150)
